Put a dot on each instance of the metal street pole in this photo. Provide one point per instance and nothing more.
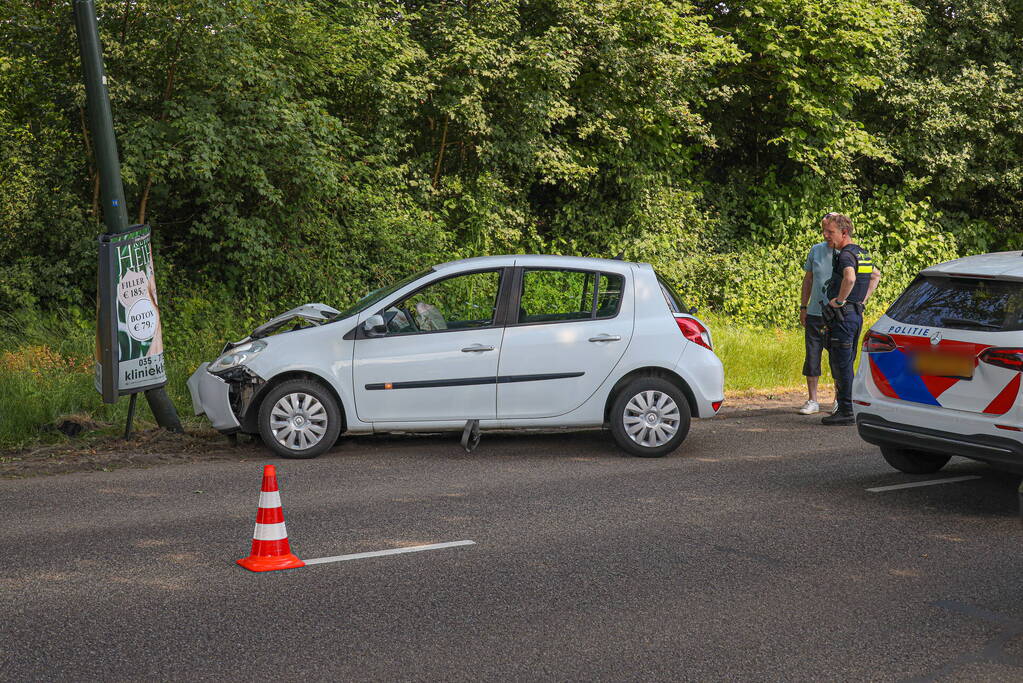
(101, 125)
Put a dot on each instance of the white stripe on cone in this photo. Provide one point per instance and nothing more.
(269, 532)
(269, 499)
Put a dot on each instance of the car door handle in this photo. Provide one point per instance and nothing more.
(477, 348)
(606, 337)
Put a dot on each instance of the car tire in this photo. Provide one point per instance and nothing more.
(650, 417)
(299, 418)
(913, 462)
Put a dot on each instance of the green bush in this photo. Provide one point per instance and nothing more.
(757, 280)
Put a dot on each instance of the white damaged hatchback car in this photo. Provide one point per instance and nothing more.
(483, 343)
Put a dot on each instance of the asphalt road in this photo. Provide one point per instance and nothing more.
(754, 552)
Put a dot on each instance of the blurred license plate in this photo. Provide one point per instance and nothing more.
(943, 365)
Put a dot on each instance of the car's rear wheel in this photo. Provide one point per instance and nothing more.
(913, 462)
(650, 417)
(299, 419)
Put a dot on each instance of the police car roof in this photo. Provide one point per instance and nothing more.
(1005, 265)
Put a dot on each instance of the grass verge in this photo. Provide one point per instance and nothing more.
(46, 370)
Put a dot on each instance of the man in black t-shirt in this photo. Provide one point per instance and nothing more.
(853, 280)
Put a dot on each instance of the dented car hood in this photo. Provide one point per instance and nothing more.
(317, 314)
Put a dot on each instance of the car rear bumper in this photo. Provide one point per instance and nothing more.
(1004, 452)
(210, 397)
(705, 375)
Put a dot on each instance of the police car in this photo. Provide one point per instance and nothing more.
(940, 372)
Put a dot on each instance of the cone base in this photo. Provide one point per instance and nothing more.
(255, 563)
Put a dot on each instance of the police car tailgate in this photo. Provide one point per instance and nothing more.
(957, 344)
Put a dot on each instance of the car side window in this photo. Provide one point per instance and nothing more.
(460, 302)
(609, 295)
(559, 295)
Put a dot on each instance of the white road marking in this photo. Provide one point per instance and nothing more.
(393, 551)
(930, 482)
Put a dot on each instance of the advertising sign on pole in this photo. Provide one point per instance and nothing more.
(129, 340)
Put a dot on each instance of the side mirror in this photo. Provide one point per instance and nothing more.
(374, 326)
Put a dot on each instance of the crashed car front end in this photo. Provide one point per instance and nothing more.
(225, 389)
(211, 396)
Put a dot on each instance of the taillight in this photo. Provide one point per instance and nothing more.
(1011, 358)
(875, 342)
(694, 331)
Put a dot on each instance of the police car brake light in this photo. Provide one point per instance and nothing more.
(1011, 358)
(875, 342)
(693, 331)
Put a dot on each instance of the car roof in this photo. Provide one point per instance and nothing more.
(1004, 264)
(543, 260)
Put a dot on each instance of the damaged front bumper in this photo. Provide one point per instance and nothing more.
(225, 397)
(211, 396)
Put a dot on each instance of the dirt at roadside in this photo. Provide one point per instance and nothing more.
(779, 401)
(153, 446)
(145, 448)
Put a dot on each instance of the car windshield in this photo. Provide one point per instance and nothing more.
(964, 303)
(378, 294)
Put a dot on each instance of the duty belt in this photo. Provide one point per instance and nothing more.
(832, 314)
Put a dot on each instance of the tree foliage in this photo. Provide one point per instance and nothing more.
(792, 105)
(954, 110)
(287, 150)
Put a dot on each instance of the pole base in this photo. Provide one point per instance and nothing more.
(163, 410)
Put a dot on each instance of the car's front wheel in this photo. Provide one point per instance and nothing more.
(650, 417)
(913, 462)
(299, 419)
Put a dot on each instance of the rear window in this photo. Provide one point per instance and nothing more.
(961, 302)
(556, 295)
(671, 297)
(560, 295)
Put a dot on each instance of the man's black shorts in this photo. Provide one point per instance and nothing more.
(814, 338)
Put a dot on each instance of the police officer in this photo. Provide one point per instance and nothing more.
(853, 280)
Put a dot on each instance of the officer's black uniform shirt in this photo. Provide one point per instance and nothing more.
(855, 257)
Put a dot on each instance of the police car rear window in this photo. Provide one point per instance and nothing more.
(963, 303)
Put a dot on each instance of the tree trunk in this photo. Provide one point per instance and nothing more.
(440, 154)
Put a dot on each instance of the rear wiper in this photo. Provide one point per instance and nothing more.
(960, 322)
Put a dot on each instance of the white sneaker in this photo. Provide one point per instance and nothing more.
(809, 408)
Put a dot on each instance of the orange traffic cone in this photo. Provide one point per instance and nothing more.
(270, 549)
